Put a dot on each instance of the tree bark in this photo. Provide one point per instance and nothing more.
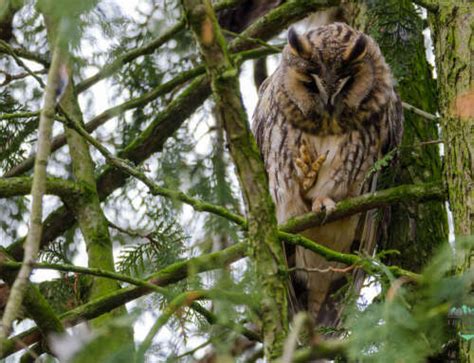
(267, 250)
(415, 229)
(453, 37)
(87, 209)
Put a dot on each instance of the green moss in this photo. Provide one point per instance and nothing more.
(416, 230)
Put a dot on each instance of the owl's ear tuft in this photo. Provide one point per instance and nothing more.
(357, 51)
(299, 45)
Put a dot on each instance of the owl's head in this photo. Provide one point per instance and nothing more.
(332, 70)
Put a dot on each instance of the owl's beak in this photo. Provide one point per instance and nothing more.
(340, 86)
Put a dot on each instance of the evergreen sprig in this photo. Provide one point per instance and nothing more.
(163, 246)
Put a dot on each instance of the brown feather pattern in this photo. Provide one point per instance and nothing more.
(332, 94)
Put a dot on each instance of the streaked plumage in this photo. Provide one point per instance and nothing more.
(324, 117)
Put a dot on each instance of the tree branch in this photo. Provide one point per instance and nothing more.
(114, 111)
(26, 54)
(419, 112)
(103, 304)
(65, 189)
(267, 251)
(415, 193)
(146, 49)
(169, 275)
(166, 123)
(38, 188)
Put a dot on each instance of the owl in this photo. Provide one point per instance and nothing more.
(323, 119)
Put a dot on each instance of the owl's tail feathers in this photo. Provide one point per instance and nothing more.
(321, 299)
(324, 301)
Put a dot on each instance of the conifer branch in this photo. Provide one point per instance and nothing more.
(25, 54)
(184, 299)
(172, 274)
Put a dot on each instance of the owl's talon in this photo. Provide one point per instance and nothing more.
(323, 204)
(308, 167)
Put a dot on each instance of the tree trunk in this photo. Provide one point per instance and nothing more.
(88, 212)
(414, 229)
(453, 37)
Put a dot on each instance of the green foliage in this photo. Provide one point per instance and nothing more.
(15, 133)
(410, 321)
(161, 247)
(395, 28)
(56, 252)
(69, 290)
(382, 163)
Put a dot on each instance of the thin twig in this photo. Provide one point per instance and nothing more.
(14, 77)
(102, 118)
(22, 64)
(148, 48)
(195, 349)
(323, 270)
(253, 40)
(301, 320)
(419, 112)
(184, 299)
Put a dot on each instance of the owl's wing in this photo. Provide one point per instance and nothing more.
(373, 222)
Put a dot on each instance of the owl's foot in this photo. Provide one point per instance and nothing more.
(309, 167)
(323, 204)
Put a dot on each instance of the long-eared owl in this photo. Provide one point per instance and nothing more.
(323, 119)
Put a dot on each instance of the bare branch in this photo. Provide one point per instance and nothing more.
(419, 112)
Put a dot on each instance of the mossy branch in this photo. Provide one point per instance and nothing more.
(65, 189)
(37, 307)
(343, 209)
(37, 191)
(415, 193)
(172, 274)
(114, 111)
